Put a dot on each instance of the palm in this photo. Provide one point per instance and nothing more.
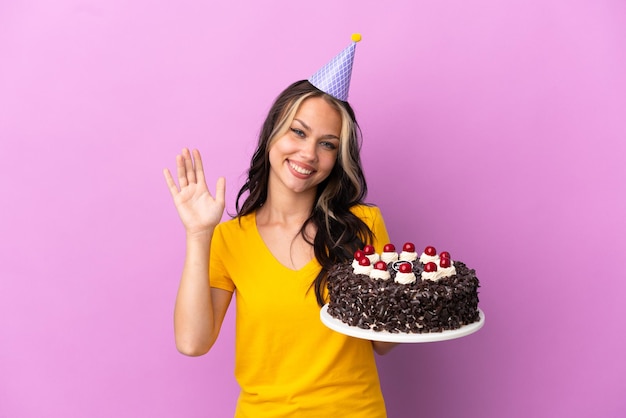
(198, 209)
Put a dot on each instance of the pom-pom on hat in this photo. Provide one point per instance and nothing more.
(334, 77)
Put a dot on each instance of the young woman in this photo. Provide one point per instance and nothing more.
(300, 211)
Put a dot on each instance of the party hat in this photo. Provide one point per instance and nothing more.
(334, 77)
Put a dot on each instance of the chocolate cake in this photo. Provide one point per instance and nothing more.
(403, 294)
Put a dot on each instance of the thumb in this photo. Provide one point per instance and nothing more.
(220, 190)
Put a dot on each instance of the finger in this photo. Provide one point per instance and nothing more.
(191, 173)
(181, 171)
(220, 190)
(199, 168)
(171, 184)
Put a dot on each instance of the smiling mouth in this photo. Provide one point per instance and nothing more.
(299, 169)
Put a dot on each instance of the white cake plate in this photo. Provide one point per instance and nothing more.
(368, 334)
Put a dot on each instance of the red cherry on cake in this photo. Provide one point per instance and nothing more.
(364, 261)
(405, 268)
(445, 262)
(408, 247)
(359, 254)
(380, 265)
(444, 254)
(369, 250)
(431, 251)
(389, 248)
(430, 267)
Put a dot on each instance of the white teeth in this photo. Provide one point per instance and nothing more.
(300, 169)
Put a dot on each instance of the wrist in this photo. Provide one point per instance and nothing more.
(203, 235)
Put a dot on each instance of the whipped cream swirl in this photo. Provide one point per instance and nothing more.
(408, 256)
(405, 278)
(359, 269)
(389, 257)
(440, 273)
(380, 274)
(425, 258)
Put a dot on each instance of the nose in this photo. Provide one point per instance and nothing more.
(308, 150)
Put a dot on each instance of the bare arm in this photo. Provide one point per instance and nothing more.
(200, 309)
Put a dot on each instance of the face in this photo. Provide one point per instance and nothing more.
(305, 155)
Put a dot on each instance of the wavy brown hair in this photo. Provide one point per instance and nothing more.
(339, 232)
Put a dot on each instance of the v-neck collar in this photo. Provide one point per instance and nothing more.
(312, 264)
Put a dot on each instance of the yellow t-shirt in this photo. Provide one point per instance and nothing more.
(287, 363)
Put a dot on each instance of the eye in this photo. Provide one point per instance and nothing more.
(328, 145)
(298, 132)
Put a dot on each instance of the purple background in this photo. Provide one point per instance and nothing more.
(492, 129)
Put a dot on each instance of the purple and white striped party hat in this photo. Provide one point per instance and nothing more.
(334, 77)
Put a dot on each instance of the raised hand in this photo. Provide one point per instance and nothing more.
(199, 210)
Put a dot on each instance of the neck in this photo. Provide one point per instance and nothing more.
(287, 208)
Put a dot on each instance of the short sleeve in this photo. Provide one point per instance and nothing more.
(218, 274)
(381, 236)
(373, 218)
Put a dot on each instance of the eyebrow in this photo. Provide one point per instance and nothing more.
(308, 128)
